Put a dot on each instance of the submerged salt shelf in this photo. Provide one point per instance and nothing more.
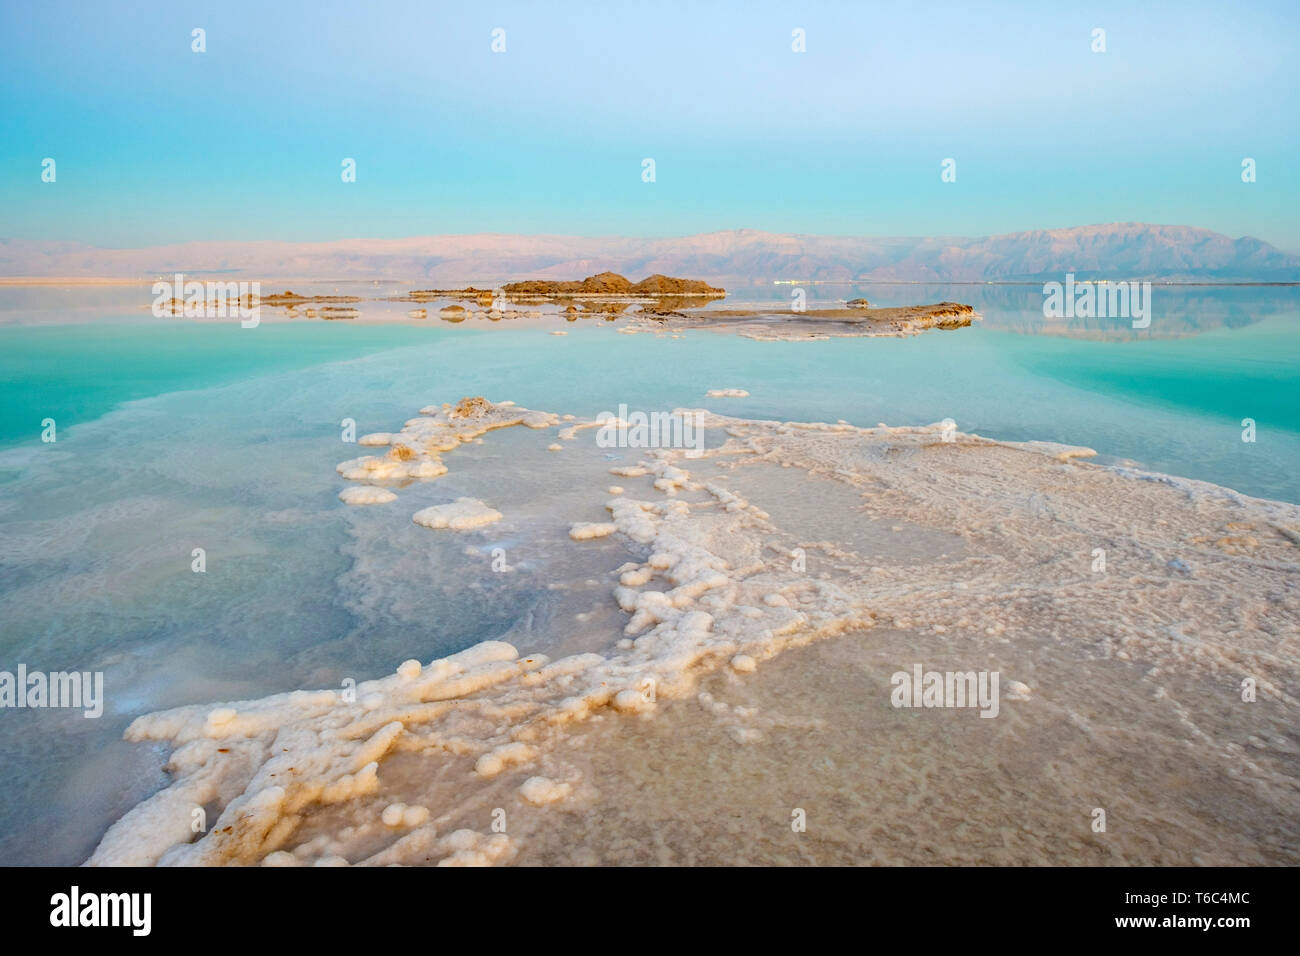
(886, 545)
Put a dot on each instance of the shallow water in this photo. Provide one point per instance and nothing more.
(174, 436)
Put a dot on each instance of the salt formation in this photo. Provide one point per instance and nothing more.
(366, 495)
(463, 514)
(400, 815)
(583, 530)
(416, 451)
(744, 664)
(541, 790)
(718, 584)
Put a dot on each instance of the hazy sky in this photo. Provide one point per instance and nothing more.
(155, 143)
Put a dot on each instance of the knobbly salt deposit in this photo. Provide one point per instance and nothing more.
(738, 564)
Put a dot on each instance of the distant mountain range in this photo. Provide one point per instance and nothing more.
(729, 259)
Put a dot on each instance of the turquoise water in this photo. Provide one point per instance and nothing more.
(175, 436)
(1221, 374)
(75, 374)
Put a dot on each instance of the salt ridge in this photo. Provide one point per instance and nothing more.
(716, 588)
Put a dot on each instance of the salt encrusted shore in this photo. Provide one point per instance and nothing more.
(793, 535)
(772, 324)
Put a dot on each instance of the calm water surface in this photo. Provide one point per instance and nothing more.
(174, 434)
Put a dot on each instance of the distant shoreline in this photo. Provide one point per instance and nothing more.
(279, 280)
(1013, 282)
(69, 280)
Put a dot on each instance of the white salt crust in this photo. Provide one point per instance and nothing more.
(718, 588)
(416, 451)
(463, 514)
(366, 495)
(583, 530)
(542, 790)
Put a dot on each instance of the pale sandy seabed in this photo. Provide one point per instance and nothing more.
(735, 683)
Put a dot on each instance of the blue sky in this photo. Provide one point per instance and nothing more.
(157, 144)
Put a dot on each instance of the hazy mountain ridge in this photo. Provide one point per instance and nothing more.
(1116, 251)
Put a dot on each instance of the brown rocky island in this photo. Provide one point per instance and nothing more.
(613, 284)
